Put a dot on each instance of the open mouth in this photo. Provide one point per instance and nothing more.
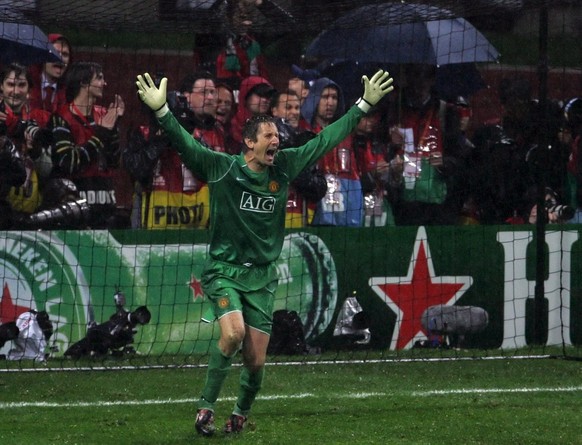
(270, 153)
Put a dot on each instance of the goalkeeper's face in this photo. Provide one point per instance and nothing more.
(261, 152)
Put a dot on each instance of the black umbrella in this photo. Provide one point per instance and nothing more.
(402, 33)
(25, 44)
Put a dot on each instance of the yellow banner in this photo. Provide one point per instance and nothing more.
(168, 210)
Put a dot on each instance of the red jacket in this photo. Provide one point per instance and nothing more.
(242, 113)
(35, 95)
(341, 161)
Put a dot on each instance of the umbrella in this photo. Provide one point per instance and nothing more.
(402, 33)
(25, 44)
(459, 79)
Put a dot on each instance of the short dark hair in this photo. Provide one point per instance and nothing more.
(18, 70)
(262, 90)
(277, 97)
(252, 125)
(224, 85)
(79, 74)
(190, 79)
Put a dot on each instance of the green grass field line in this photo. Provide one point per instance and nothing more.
(485, 402)
(356, 395)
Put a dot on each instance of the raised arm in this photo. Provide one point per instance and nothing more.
(151, 95)
(374, 90)
(196, 156)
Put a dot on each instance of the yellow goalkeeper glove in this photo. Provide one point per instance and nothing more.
(152, 96)
(375, 89)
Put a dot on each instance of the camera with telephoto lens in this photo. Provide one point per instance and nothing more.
(563, 212)
(114, 337)
(177, 102)
(69, 215)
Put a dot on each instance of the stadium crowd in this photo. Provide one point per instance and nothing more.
(414, 160)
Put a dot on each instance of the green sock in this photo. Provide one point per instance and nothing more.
(218, 367)
(250, 384)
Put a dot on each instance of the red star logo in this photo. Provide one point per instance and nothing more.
(8, 311)
(196, 288)
(409, 296)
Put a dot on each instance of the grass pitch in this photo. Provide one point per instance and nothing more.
(494, 401)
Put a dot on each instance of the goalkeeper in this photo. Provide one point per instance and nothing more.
(248, 196)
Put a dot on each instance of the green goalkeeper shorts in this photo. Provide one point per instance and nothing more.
(250, 290)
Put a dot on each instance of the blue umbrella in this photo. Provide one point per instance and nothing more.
(459, 79)
(25, 44)
(402, 33)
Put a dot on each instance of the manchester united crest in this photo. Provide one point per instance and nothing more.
(274, 186)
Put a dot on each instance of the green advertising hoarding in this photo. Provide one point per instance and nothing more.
(396, 274)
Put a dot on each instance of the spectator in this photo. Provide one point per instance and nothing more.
(241, 56)
(254, 98)
(428, 133)
(310, 186)
(300, 86)
(86, 142)
(225, 110)
(343, 203)
(301, 80)
(167, 194)
(380, 168)
(16, 112)
(287, 107)
(503, 163)
(48, 92)
(225, 104)
(23, 126)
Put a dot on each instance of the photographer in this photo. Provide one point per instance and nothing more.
(31, 144)
(167, 193)
(555, 211)
(19, 121)
(86, 139)
(30, 198)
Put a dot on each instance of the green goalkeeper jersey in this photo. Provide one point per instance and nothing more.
(247, 209)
